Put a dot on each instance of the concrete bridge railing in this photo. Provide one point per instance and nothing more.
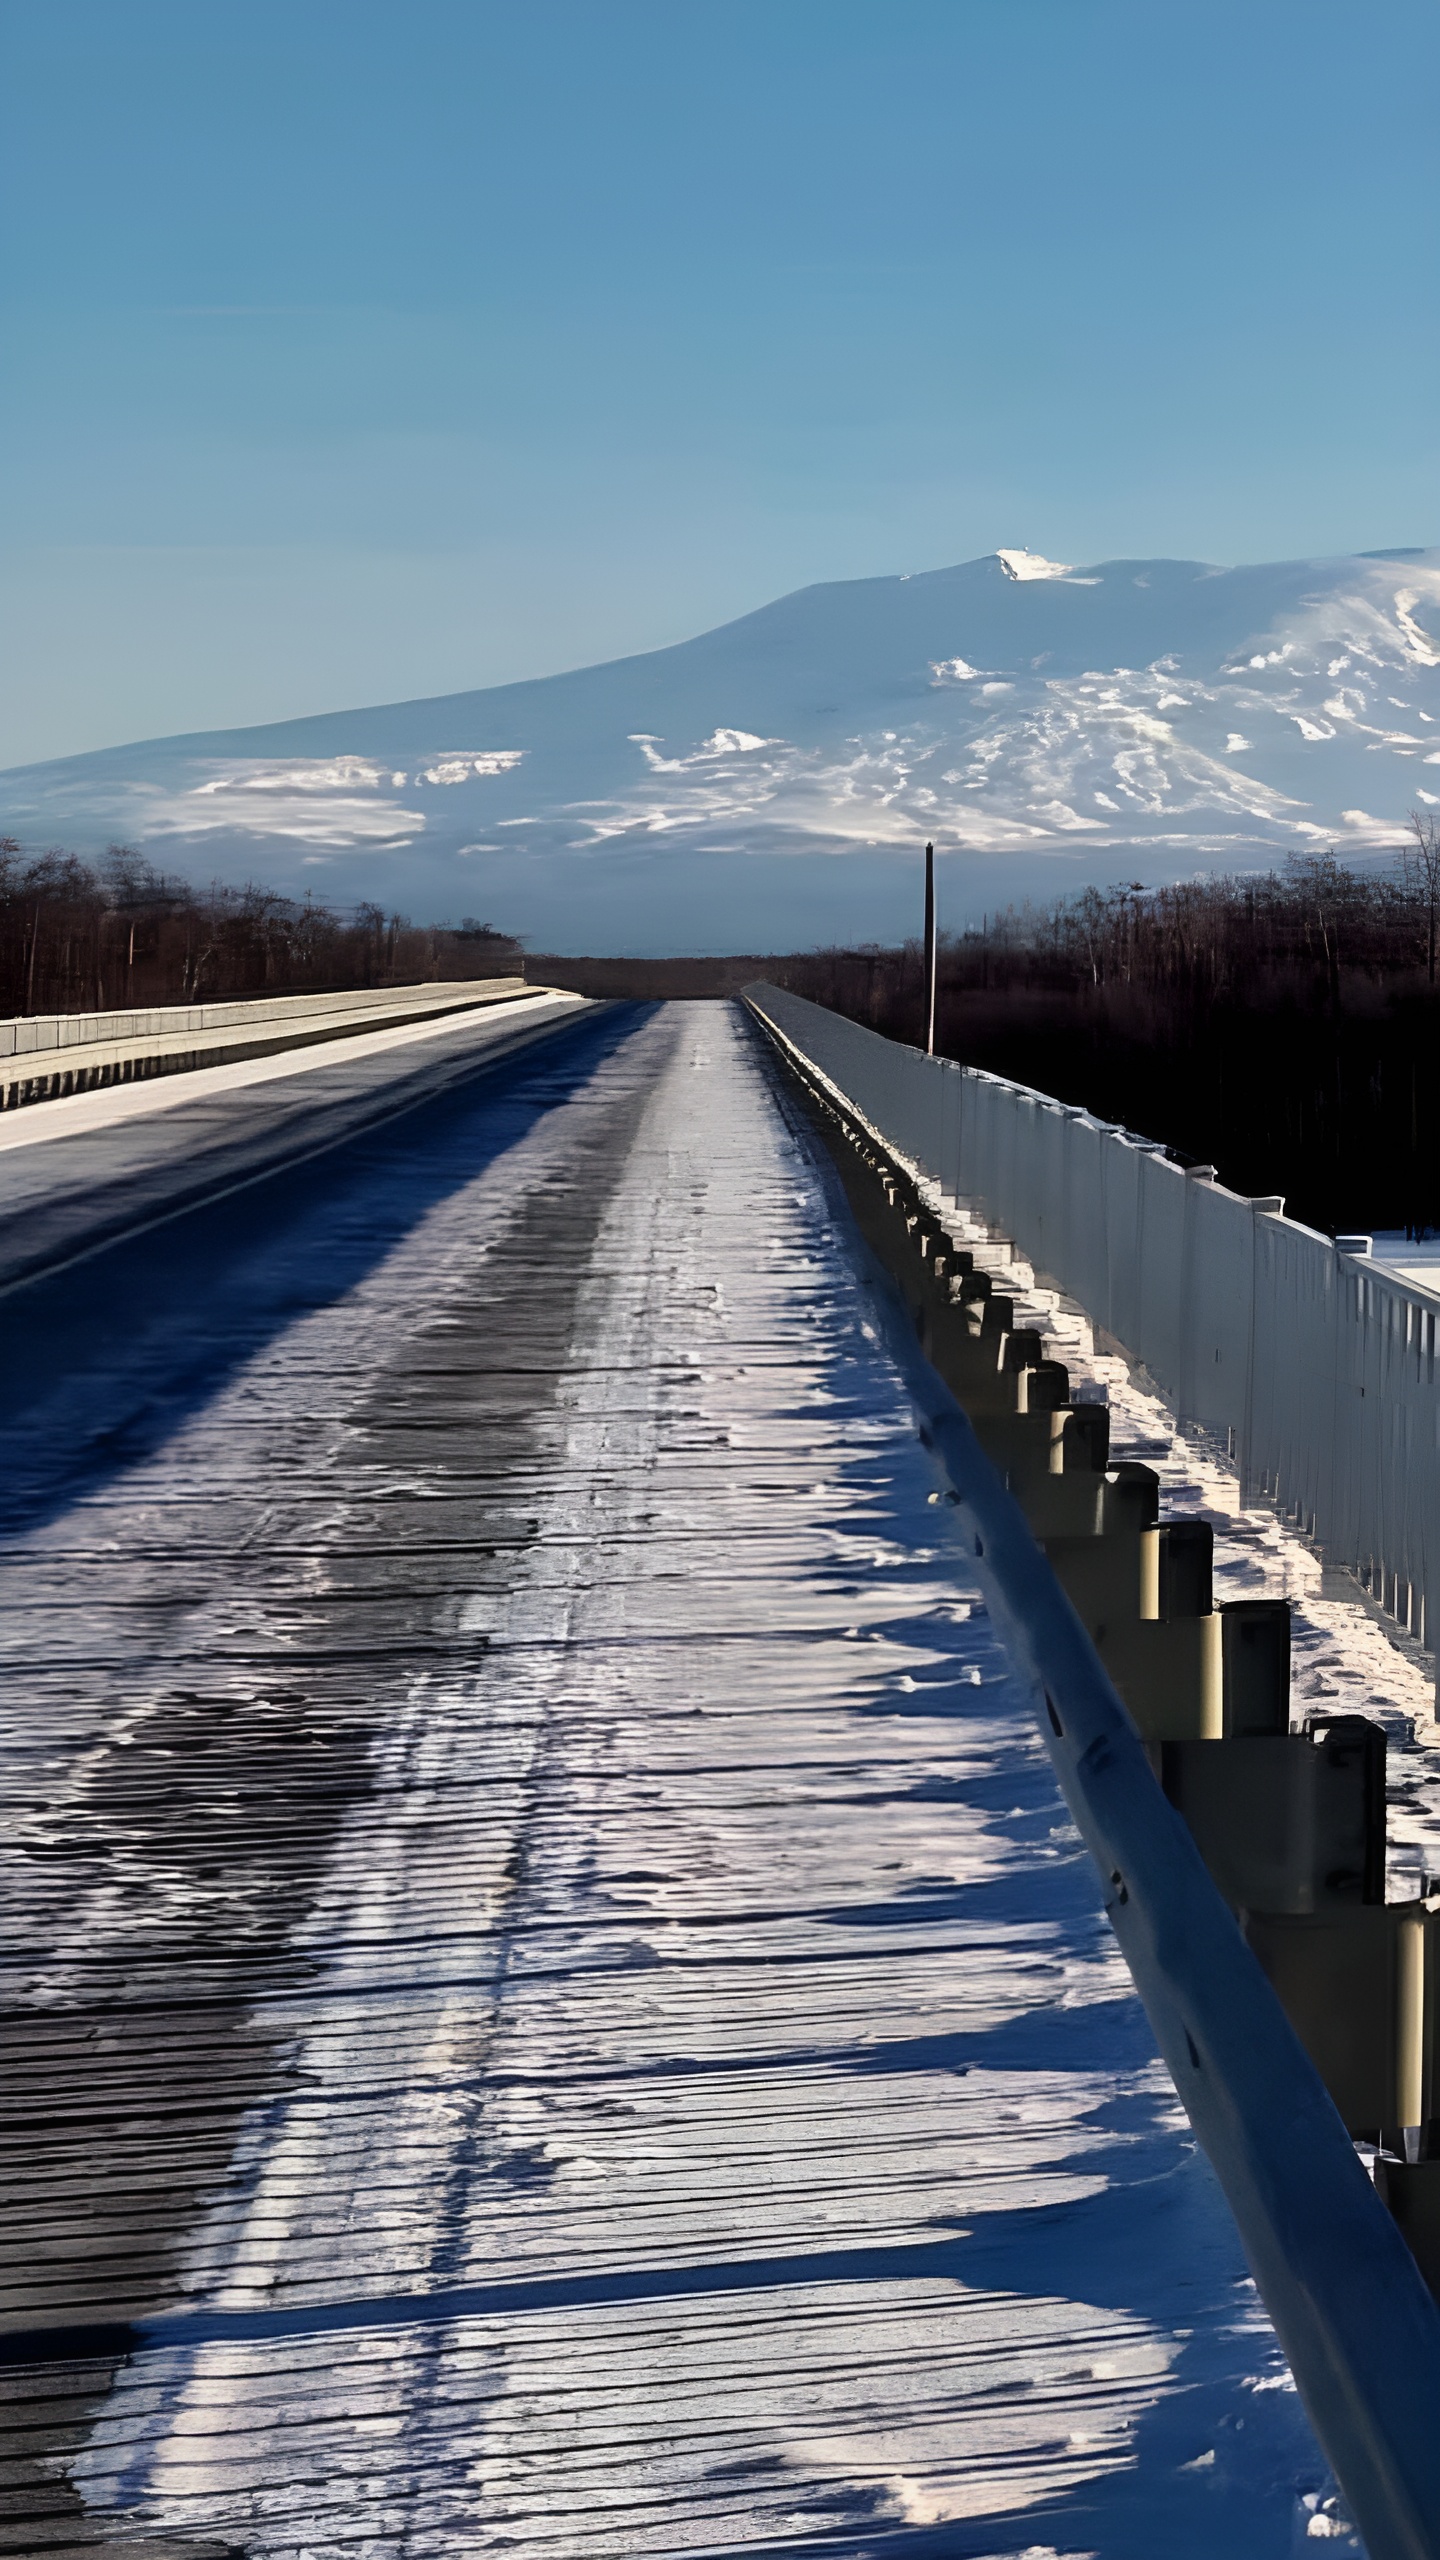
(46, 1056)
(25, 1033)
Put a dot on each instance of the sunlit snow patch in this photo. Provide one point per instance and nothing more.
(309, 773)
(328, 800)
(1031, 564)
(1418, 642)
(721, 742)
(332, 800)
(461, 766)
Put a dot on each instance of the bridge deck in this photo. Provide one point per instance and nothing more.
(558, 2006)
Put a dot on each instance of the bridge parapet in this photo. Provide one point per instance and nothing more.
(45, 1056)
(1314, 1368)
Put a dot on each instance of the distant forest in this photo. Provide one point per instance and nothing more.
(77, 937)
(1285, 1029)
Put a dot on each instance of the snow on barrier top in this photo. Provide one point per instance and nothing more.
(1355, 2319)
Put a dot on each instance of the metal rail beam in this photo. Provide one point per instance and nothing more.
(1356, 2321)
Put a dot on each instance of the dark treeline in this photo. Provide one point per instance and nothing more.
(1285, 1029)
(77, 937)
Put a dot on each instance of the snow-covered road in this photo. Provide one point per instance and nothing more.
(559, 1994)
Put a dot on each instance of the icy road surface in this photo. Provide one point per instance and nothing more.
(557, 1991)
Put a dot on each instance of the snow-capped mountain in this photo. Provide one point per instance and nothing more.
(768, 784)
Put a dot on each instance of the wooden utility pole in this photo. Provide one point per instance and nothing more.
(930, 951)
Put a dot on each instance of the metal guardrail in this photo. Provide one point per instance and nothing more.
(1357, 2323)
(1316, 1369)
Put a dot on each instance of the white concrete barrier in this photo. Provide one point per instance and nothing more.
(46, 1055)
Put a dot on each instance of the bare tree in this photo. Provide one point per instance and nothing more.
(1422, 867)
(70, 929)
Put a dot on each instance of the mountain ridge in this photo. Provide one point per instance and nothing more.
(1042, 726)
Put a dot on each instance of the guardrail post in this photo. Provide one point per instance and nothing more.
(1286, 1823)
(1255, 1651)
(1347, 1980)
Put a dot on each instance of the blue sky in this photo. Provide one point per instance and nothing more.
(360, 349)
